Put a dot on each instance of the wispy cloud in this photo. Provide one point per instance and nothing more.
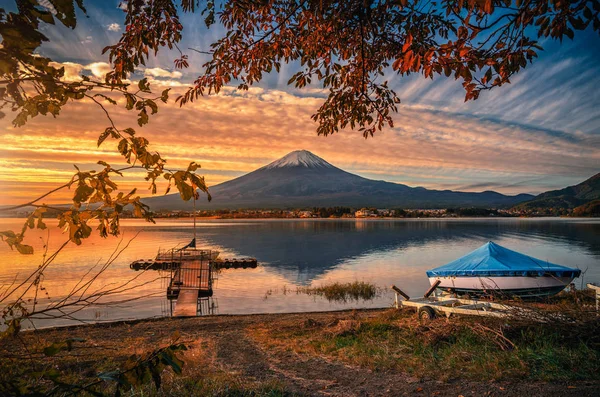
(74, 70)
(238, 131)
(159, 72)
(113, 27)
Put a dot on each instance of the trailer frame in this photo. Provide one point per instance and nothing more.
(448, 305)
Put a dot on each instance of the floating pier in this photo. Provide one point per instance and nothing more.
(155, 264)
(191, 275)
(234, 263)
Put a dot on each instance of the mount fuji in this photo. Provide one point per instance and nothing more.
(302, 179)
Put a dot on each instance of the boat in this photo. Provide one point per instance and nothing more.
(495, 270)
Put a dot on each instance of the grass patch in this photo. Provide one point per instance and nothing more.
(465, 348)
(343, 292)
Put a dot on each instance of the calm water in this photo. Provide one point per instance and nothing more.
(294, 253)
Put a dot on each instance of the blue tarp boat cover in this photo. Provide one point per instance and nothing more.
(493, 260)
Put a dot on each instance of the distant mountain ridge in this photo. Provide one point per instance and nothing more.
(567, 198)
(301, 179)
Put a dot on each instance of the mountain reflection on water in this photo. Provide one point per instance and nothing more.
(294, 253)
(313, 247)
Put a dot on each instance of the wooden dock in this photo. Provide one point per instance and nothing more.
(191, 276)
(187, 303)
(191, 280)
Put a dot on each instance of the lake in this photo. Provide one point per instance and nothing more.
(291, 254)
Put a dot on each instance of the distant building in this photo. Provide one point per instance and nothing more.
(384, 212)
(363, 213)
(305, 214)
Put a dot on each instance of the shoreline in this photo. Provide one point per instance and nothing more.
(336, 353)
(199, 219)
(349, 218)
(134, 321)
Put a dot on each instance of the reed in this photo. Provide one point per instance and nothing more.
(343, 292)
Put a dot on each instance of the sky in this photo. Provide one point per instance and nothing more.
(541, 132)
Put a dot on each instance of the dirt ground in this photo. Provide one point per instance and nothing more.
(228, 343)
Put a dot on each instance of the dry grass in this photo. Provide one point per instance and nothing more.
(343, 292)
(471, 348)
(217, 385)
(101, 352)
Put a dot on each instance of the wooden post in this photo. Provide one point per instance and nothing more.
(400, 292)
(195, 193)
(432, 288)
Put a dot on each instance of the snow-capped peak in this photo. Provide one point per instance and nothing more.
(300, 158)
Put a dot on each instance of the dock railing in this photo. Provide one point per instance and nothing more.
(194, 271)
(187, 254)
(207, 306)
(193, 275)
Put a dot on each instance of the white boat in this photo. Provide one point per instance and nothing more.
(495, 270)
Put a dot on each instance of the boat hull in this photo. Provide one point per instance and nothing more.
(532, 287)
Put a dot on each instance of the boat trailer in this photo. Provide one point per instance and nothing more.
(429, 306)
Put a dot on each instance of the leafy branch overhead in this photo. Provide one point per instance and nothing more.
(349, 47)
(32, 85)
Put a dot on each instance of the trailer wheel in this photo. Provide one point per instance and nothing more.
(426, 313)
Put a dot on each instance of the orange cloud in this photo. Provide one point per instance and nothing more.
(238, 131)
